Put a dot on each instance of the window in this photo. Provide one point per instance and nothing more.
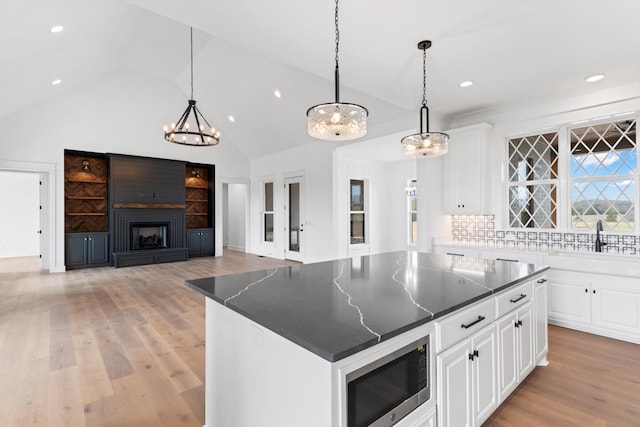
(602, 167)
(357, 211)
(412, 209)
(533, 181)
(267, 213)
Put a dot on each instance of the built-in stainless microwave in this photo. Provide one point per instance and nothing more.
(383, 392)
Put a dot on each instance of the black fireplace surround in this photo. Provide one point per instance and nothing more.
(148, 236)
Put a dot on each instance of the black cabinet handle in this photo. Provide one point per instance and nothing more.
(473, 355)
(454, 254)
(479, 319)
(586, 290)
(506, 259)
(518, 323)
(519, 298)
(594, 291)
(542, 281)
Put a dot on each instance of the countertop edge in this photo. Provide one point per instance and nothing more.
(334, 357)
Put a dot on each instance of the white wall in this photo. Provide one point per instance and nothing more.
(122, 112)
(314, 162)
(19, 214)
(237, 199)
(529, 119)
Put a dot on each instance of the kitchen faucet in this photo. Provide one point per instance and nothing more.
(599, 243)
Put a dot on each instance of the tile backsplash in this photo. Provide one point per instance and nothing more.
(480, 230)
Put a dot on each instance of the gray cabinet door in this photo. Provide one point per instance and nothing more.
(76, 249)
(206, 241)
(98, 248)
(193, 241)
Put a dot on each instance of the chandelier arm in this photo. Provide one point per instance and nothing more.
(199, 131)
(202, 117)
(183, 119)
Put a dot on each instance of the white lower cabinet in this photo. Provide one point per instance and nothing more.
(598, 303)
(467, 389)
(515, 348)
(419, 418)
(541, 326)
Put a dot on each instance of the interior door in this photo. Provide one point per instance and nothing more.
(294, 218)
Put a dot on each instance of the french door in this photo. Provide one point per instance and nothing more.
(294, 218)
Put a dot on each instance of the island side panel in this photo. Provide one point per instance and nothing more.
(256, 377)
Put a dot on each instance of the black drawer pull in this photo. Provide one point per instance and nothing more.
(542, 281)
(454, 254)
(479, 319)
(506, 259)
(519, 298)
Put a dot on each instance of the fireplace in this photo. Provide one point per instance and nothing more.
(146, 236)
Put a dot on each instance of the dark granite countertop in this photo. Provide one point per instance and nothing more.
(338, 308)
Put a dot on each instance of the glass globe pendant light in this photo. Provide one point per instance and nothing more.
(425, 143)
(192, 128)
(337, 121)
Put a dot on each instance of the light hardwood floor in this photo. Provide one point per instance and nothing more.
(125, 347)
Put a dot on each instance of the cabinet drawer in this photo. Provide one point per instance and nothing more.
(513, 297)
(458, 326)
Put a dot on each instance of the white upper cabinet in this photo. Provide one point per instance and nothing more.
(465, 171)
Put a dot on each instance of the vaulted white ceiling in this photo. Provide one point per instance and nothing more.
(514, 51)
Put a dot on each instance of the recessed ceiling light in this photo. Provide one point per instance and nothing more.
(594, 78)
(231, 119)
(466, 83)
(277, 93)
(56, 82)
(57, 29)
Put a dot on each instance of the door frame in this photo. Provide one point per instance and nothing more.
(51, 259)
(294, 177)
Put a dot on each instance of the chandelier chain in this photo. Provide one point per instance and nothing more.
(191, 62)
(424, 76)
(337, 33)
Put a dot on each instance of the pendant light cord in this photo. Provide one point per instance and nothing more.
(337, 34)
(424, 76)
(337, 73)
(191, 62)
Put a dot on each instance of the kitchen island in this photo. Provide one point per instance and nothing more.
(280, 342)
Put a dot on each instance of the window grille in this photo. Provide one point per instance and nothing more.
(603, 165)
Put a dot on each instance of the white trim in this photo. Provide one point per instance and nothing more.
(53, 253)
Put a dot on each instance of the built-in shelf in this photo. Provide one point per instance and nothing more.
(86, 181)
(197, 186)
(149, 205)
(86, 198)
(86, 213)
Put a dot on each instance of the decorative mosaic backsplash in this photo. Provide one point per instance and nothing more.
(480, 230)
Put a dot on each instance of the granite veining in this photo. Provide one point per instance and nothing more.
(337, 308)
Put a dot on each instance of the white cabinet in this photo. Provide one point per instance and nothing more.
(465, 170)
(515, 348)
(598, 303)
(466, 383)
(419, 418)
(541, 341)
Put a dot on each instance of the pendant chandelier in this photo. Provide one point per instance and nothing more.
(425, 143)
(192, 128)
(337, 121)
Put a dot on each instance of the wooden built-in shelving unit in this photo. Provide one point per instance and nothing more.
(197, 193)
(85, 190)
